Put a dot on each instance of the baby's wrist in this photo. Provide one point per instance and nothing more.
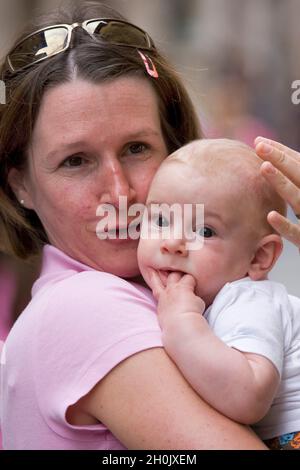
(179, 337)
(183, 325)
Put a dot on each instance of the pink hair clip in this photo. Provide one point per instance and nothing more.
(150, 67)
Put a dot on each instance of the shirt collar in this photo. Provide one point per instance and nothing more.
(57, 265)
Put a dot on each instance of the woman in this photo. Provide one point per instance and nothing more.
(83, 367)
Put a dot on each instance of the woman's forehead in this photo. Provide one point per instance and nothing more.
(80, 107)
(82, 96)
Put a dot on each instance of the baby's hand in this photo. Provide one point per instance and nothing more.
(176, 298)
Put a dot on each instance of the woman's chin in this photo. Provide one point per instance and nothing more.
(129, 271)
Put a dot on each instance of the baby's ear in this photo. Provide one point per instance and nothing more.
(267, 252)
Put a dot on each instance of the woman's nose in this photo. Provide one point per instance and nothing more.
(115, 183)
(174, 246)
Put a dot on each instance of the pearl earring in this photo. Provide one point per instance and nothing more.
(22, 202)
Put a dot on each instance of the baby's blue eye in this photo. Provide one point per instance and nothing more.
(206, 232)
(161, 221)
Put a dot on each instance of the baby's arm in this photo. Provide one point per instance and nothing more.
(239, 385)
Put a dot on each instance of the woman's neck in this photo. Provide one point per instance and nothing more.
(139, 280)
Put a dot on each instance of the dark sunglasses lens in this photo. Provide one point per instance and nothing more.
(117, 32)
(39, 46)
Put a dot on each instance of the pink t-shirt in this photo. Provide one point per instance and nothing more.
(7, 293)
(78, 326)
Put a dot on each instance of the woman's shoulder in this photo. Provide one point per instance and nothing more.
(89, 285)
(75, 283)
(69, 292)
(65, 277)
(101, 297)
(93, 300)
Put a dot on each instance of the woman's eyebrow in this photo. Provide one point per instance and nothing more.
(143, 133)
(64, 148)
(147, 132)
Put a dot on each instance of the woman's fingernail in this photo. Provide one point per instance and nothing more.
(266, 148)
(260, 139)
(270, 168)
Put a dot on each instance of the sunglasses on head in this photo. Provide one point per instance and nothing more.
(52, 40)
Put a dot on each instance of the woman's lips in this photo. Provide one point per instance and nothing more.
(116, 234)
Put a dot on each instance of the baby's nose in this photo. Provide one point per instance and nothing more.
(174, 247)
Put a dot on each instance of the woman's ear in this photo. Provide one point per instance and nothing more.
(266, 255)
(19, 186)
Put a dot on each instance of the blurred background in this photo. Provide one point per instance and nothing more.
(238, 59)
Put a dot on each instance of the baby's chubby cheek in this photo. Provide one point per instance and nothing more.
(144, 261)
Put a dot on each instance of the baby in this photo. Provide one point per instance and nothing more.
(233, 333)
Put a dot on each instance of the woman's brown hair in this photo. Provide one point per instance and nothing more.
(21, 232)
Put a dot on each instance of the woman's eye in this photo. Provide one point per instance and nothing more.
(161, 221)
(73, 161)
(206, 232)
(137, 148)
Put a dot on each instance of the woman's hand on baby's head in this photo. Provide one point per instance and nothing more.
(177, 298)
(282, 170)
